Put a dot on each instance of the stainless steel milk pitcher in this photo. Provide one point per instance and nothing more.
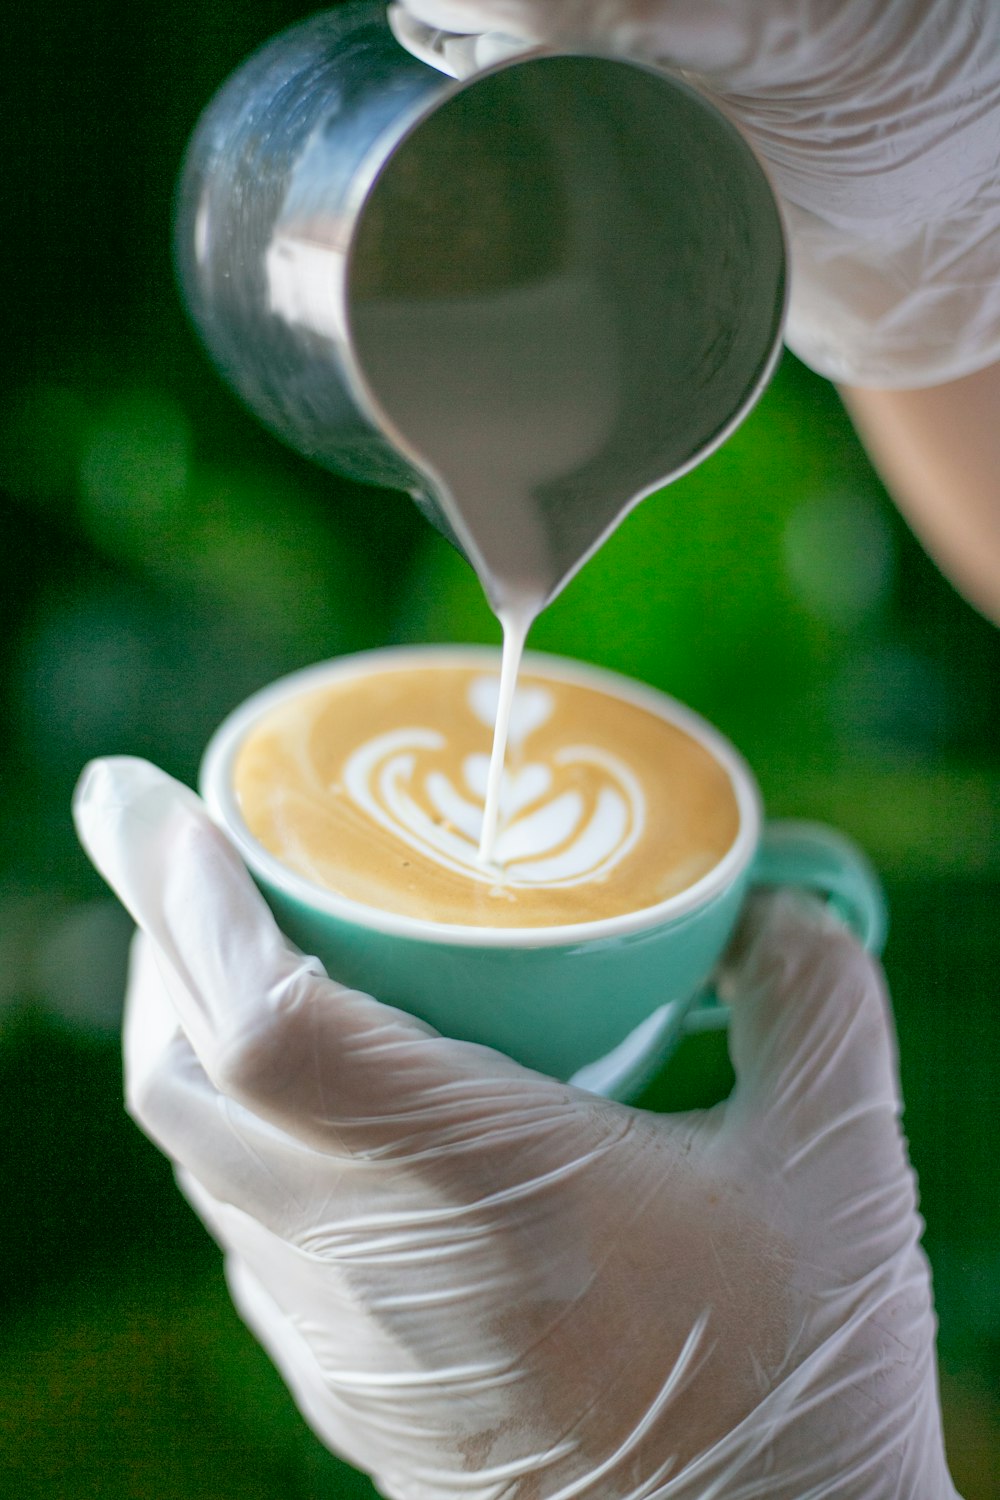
(563, 277)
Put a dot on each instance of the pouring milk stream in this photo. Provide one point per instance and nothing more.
(511, 375)
(530, 297)
(502, 393)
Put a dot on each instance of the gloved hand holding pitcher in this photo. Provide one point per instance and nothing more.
(528, 267)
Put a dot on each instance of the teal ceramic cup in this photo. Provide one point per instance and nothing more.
(600, 1003)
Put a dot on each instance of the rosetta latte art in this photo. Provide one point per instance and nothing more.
(373, 786)
(547, 837)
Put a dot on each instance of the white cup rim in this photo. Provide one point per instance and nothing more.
(216, 784)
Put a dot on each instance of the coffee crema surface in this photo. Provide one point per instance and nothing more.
(372, 787)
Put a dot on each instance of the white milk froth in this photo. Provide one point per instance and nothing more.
(546, 837)
(374, 787)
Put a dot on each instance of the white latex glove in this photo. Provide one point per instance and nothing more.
(480, 1282)
(879, 121)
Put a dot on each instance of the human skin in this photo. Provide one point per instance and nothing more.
(938, 450)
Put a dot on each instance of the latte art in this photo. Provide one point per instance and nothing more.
(374, 787)
(547, 836)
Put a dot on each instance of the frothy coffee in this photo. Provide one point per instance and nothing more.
(373, 787)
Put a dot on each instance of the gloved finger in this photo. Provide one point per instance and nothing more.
(356, 1349)
(150, 1027)
(712, 36)
(452, 52)
(817, 1094)
(153, 841)
(329, 1065)
(332, 1417)
(811, 1034)
(238, 1157)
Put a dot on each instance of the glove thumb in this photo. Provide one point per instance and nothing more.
(811, 1032)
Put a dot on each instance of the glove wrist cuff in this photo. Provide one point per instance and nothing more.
(918, 313)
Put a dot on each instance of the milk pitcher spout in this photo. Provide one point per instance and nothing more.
(528, 298)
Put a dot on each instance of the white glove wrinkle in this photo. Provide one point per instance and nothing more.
(480, 1283)
(331, 1415)
(675, 1381)
(881, 127)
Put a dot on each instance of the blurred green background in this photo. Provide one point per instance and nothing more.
(162, 557)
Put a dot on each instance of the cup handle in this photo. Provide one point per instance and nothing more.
(814, 858)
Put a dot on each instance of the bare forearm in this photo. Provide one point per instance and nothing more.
(938, 451)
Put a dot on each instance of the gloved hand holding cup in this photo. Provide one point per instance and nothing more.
(477, 1280)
